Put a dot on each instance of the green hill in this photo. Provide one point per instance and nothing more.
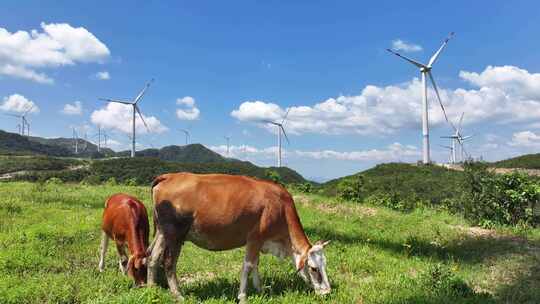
(406, 181)
(528, 161)
(194, 153)
(84, 148)
(15, 144)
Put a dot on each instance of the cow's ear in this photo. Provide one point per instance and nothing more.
(325, 243)
(144, 261)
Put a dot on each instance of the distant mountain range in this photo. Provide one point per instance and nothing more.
(193, 158)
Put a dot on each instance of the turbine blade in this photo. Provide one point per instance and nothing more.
(285, 134)
(140, 115)
(285, 117)
(14, 115)
(29, 109)
(143, 91)
(461, 120)
(438, 96)
(416, 63)
(117, 101)
(436, 55)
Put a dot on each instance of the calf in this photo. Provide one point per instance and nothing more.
(125, 220)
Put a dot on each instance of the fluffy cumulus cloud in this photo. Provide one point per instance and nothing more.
(400, 45)
(503, 94)
(526, 139)
(119, 117)
(72, 109)
(103, 75)
(188, 109)
(58, 44)
(393, 152)
(18, 104)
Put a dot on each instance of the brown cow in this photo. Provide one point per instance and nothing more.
(222, 212)
(125, 220)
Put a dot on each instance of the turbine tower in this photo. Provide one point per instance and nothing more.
(280, 128)
(75, 137)
(425, 70)
(134, 104)
(188, 135)
(228, 138)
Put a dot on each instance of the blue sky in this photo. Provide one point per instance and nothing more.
(352, 104)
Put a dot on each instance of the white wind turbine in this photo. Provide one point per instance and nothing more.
(280, 128)
(188, 135)
(228, 138)
(24, 127)
(135, 109)
(425, 70)
(459, 138)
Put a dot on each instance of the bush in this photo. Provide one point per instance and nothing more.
(131, 182)
(91, 180)
(274, 176)
(442, 282)
(392, 201)
(54, 181)
(350, 188)
(506, 199)
(304, 187)
(111, 181)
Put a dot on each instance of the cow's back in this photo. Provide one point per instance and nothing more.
(123, 212)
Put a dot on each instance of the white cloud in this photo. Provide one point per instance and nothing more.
(189, 110)
(393, 152)
(103, 75)
(19, 104)
(525, 139)
(73, 109)
(59, 44)
(502, 94)
(400, 45)
(119, 117)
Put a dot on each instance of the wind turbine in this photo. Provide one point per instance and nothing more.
(280, 129)
(188, 135)
(452, 153)
(134, 104)
(24, 125)
(458, 137)
(228, 138)
(75, 137)
(425, 70)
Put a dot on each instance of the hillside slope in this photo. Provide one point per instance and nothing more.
(406, 181)
(528, 161)
(15, 144)
(193, 153)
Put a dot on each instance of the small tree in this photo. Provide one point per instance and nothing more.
(351, 188)
(274, 176)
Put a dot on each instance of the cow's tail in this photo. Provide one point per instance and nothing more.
(155, 182)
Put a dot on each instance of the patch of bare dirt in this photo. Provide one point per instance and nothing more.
(331, 208)
(195, 277)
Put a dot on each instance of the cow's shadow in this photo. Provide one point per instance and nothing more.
(227, 289)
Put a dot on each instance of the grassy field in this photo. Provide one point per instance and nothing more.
(49, 239)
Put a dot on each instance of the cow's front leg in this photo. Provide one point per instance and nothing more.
(256, 279)
(250, 262)
(123, 261)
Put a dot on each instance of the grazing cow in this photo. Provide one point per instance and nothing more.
(125, 220)
(222, 212)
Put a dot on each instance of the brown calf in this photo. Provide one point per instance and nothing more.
(222, 212)
(125, 220)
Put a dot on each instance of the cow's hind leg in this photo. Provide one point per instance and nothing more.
(175, 236)
(103, 250)
(155, 257)
(250, 262)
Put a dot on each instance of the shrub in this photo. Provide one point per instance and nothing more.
(131, 181)
(54, 181)
(304, 187)
(506, 199)
(350, 188)
(111, 181)
(91, 180)
(274, 176)
(443, 282)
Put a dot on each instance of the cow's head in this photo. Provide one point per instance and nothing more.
(311, 266)
(137, 269)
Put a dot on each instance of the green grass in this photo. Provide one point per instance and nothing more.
(527, 161)
(49, 239)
